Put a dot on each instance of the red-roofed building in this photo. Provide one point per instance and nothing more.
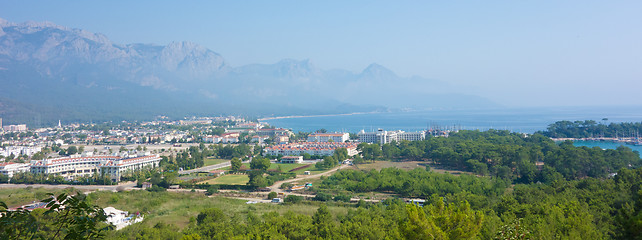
(312, 148)
(217, 172)
(292, 159)
(326, 137)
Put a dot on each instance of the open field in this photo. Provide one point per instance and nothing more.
(15, 197)
(178, 208)
(378, 165)
(213, 161)
(313, 170)
(285, 167)
(439, 169)
(231, 179)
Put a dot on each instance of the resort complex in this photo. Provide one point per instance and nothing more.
(382, 137)
(112, 166)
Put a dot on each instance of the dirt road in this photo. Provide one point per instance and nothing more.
(276, 185)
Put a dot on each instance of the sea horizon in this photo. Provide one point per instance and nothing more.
(524, 120)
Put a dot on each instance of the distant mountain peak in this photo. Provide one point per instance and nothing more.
(4, 22)
(45, 61)
(296, 68)
(191, 58)
(377, 72)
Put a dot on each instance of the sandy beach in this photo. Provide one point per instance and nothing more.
(322, 115)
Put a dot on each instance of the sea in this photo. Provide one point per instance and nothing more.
(524, 120)
(607, 145)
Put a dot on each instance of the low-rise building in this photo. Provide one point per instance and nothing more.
(232, 137)
(271, 132)
(15, 128)
(328, 137)
(217, 172)
(259, 139)
(19, 150)
(11, 168)
(121, 219)
(292, 159)
(282, 139)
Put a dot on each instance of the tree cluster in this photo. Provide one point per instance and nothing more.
(414, 183)
(590, 128)
(588, 208)
(390, 220)
(514, 156)
(66, 217)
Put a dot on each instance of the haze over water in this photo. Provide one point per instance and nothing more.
(526, 120)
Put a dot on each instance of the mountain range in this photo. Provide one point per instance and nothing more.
(50, 72)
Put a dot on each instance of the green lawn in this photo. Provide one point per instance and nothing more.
(313, 170)
(22, 196)
(378, 165)
(232, 179)
(178, 208)
(286, 167)
(212, 161)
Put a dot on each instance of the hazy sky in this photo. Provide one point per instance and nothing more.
(517, 53)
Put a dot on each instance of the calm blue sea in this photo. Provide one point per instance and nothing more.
(606, 145)
(526, 120)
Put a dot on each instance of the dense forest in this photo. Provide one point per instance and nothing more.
(514, 156)
(579, 209)
(592, 129)
(589, 208)
(523, 187)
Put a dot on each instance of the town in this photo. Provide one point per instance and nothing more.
(113, 150)
(180, 171)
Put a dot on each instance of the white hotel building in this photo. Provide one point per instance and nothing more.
(382, 137)
(11, 168)
(112, 166)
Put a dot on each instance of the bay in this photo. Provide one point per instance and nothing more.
(606, 145)
(525, 120)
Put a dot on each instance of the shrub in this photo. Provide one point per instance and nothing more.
(211, 190)
(342, 198)
(271, 195)
(113, 199)
(322, 197)
(293, 199)
(156, 189)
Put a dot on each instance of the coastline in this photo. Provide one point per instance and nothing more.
(628, 140)
(321, 115)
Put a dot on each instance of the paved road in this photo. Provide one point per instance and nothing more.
(207, 168)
